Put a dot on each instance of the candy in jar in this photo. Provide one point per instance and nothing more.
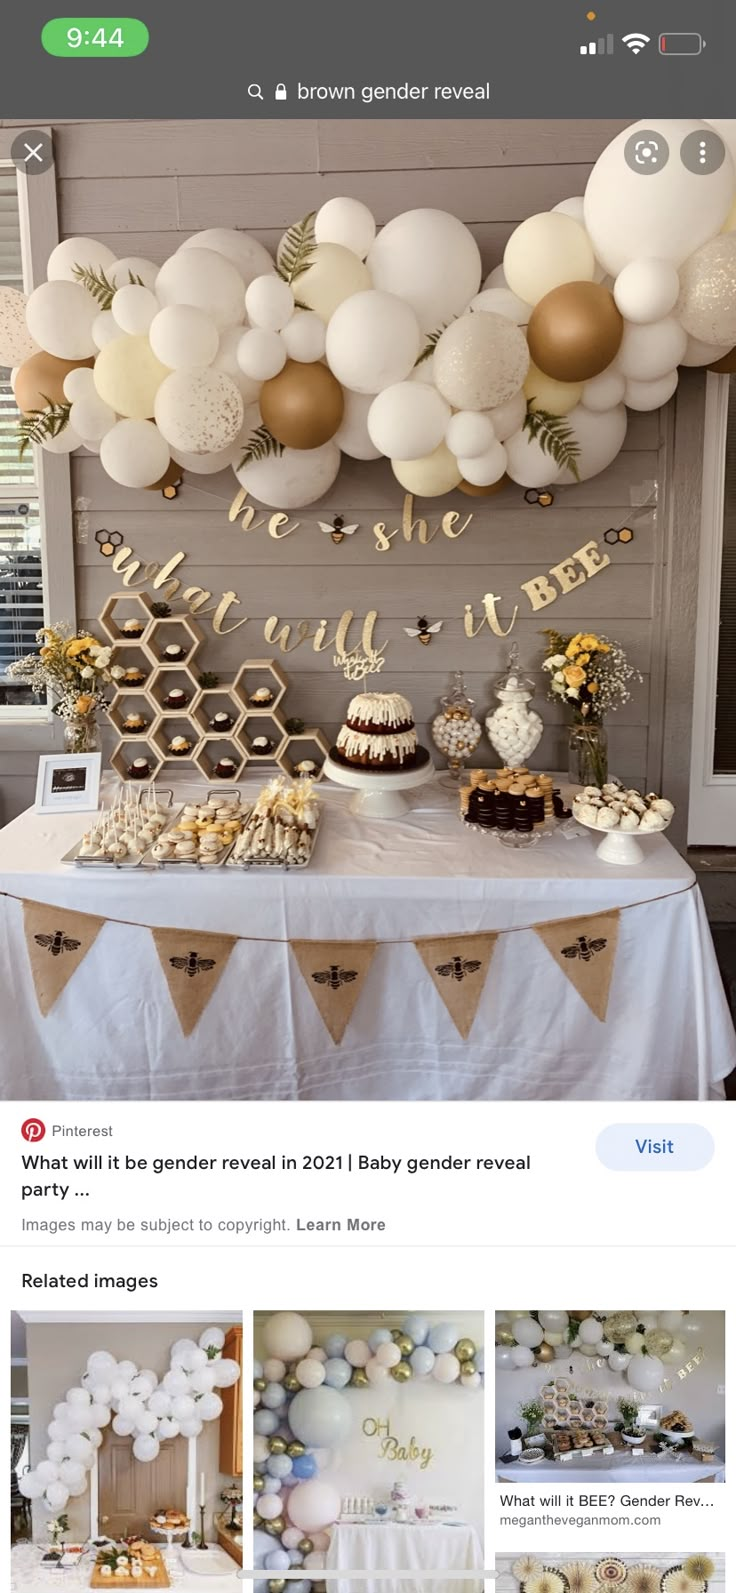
(514, 729)
(455, 731)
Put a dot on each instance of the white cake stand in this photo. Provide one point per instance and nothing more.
(379, 794)
(620, 846)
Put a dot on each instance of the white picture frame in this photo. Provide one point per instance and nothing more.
(68, 782)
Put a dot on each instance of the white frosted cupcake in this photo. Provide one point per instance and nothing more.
(607, 819)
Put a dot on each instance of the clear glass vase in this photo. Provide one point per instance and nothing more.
(588, 754)
(82, 734)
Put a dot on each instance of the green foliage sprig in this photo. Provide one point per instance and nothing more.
(99, 285)
(555, 437)
(39, 424)
(296, 250)
(261, 445)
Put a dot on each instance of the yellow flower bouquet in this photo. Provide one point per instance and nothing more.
(74, 668)
(590, 674)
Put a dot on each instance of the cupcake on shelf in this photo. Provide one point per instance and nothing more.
(133, 627)
(176, 698)
(262, 697)
(134, 676)
(133, 724)
(261, 746)
(305, 769)
(225, 769)
(179, 747)
(221, 721)
(140, 769)
(173, 653)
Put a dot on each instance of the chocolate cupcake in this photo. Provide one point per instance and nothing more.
(261, 746)
(176, 698)
(225, 769)
(140, 769)
(221, 721)
(173, 653)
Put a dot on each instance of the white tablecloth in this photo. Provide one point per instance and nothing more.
(113, 1033)
(425, 1551)
(28, 1575)
(621, 1468)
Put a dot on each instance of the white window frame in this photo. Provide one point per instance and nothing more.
(32, 728)
(712, 812)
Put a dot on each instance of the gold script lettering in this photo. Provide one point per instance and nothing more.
(226, 602)
(567, 575)
(591, 558)
(277, 520)
(539, 591)
(490, 618)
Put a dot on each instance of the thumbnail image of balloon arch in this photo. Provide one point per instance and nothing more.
(632, 1573)
(387, 342)
(639, 1344)
(301, 1414)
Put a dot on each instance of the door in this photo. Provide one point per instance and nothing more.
(712, 818)
(231, 1420)
(131, 1491)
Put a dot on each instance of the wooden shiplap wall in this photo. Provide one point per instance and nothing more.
(143, 187)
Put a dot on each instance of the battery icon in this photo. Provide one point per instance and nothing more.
(681, 44)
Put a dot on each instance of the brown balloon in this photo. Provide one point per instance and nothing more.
(575, 331)
(726, 365)
(482, 492)
(40, 381)
(544, 1352)
(302, 406)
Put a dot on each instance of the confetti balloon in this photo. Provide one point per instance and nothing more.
(199, 411)
(480, 361)
(706, 306)
(16, 343)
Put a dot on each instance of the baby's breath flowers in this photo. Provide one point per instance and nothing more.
(74, 667)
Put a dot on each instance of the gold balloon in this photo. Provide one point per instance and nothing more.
(404, 1343)
(40, 381)
(259, 1383)
(291, 1384)
(402, 1371)
(657, 1341)
(725, 366)
(544, 1352)
(467, 1369)
(465, 1350)
(295, 1448)
(257, 1522)
(483, 492)
(305, 1546)
(276, 1526)
(302, 406)
(575, 331)
(276, 1585)
(277, 1445)
(259, 1482)
(504, 1334)
(396, 1334)
(578, 1316)
(358, 1379)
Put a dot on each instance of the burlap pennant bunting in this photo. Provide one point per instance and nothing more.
(585, 950)
(458, 965)
(57, 940)
(193, 964)
(334, 971)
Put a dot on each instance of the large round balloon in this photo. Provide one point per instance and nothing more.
(40, 380)
(648, 352)
(347, 222)
(545, 251)
(480, 361)
(181, 336)
(133, 268)
(128, 376)
(134, 453)
(60, 316)
(85, 254)
(408, 420)
(297, 477)
(430, 477)
(645, 1373)
(16, 343)
(352, 436)
(314, 1505)
(429, 259)
(706, 306)
(332, 275)
(599, 437)
(575, 332)
(302, 406)
(260, 354)
(205, 279)
(648, 195)
(543, 392)
(247, 255)
(199, 411)
(373, 340)
(320, 1417)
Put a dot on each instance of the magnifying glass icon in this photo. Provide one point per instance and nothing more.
(255, 91)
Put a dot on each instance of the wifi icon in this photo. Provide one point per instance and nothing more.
(636, 42)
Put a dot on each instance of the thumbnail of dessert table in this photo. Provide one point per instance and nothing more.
(424, 1550)
(28, 1575)
(621, 1468)
(113, 1033)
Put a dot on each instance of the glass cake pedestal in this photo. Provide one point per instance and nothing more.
(379, 793)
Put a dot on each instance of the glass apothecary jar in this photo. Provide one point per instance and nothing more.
(455, 730)
(514, 729)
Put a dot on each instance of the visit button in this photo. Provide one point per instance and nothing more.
(655, 1147)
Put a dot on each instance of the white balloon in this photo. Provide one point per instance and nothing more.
(501, 301)
(446, 1368)
(527, 464)
(269, 302)
(146, 1447)
(604, 391)
(521, 1355)
(247, 255)
(146, 1422)
(261, 354)
(72, 1473)
(60, 317)
(55, 1452)
(431, 261)
(182, 336)
(600, 438)
(226, 1371)
(556, 1321)
(700, 353)
(304, 337)
(480, 361)
(134, 266)
(574, 207)
(79, 383)
(176, 1381)
(130, 1405)
(646, 290)
(91, 418)
(352, 435)
(209, 464)
(79, 1448)
(167, 1428)
(649, 209)
(373, 340)
(160, 1402)
(407, 420)
(191, 1428)
(30, 1485)
(309, 1373)
(618, 1360)
(590, 1331)
(182, 1407)
(199, 411)
(648, 352)
(205, 279)
(347, 222)
(98, 1415)
(483, 469)
(119, 1385)
(209, 1407)
(226, 360)
(122, 1426)
(496, 278)
(645, 1373)
(671, 1320)
(508, 418)
(134, 454)
(65, 443)
(144, 1383)
(528, 1331)
(469, 434)
(85, 253)
(47, 1471)
(651, 395)
(105, 329)
(133, 308)
(57, 1496)
(299, 476)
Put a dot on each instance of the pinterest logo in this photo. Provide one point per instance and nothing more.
(33, 1129)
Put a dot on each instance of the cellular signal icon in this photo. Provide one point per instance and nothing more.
(636, 42)
(599, 46)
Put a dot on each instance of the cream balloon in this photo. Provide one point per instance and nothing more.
(429, 259)
(373, 340)
(347, 222)
(205, 279)
(60, 315)
(134, 453)
(646, 290)
(226, 360)
(430, 477)
(199, 411)
(446, 1368)
(269, 302)
(247, 255)
(543, 392)
(469, 435)
(600, 437)
(332, 276)
(310, 1373)
(352, 435)
(604, 391)
(260, 354)
(16, 343)
(85, 254)
(656, 207)
(304, 336)
(546, 251)
(376, 1372)
(182, 336)
(527, 464)
(501, 301)
(298, 477)
(128, 376)
(407, 421)
(482, 470)
(651, 395)
(480, 361)
(648, 352)
(508, 418)
(133, 309)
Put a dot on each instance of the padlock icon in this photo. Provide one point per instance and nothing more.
(280, 91)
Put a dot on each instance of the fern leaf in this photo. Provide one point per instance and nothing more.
(555, 437)
(134, 281)
(96, 283)
(39, 424)
(430, 345)
(296, 250)
(261, 445)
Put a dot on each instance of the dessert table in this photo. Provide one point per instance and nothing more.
(424, 1550)
(113, 1033)
(28, 1575)
(621, 1468)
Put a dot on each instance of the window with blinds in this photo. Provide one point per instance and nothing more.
(21, 574)
(724, 752)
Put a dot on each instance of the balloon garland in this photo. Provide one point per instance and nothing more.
(137, 1405)
(640, 1343)
(382, 344)
(301, 1413)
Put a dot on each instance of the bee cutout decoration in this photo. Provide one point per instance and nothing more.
(57, 943)
(338, 530)
(458, 968)
(424, 630)
(584, 948)
(192, 964)
(335, 976)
